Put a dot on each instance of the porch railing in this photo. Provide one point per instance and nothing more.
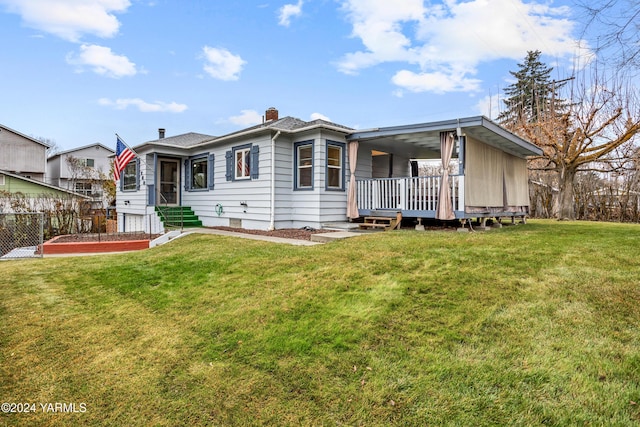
(408, 194)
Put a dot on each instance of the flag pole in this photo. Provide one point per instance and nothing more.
(143, 162)
(126, 145)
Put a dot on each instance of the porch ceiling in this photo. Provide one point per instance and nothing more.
(423, 140)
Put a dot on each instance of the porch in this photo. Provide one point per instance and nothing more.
(485, 165)
(412, 196)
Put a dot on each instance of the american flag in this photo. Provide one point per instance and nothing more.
(123, 156)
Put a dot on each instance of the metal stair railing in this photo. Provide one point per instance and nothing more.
(163, 210)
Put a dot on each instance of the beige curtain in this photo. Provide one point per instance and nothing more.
(484, 175)
(445, 208)
(352, 204)
(515, 181)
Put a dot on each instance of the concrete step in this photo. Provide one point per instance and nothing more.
(330, 237)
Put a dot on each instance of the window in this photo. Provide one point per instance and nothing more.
(304, 165)
(335, 166)
(2, 180)
(83, 188)
(199, 173)
(243, 163)
(87, 162)
(129, 176)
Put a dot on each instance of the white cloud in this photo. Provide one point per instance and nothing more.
(143, 106)
(70, 19)
(436, 82)
(289, 11)
(446, 43)
(318, 116)
(103, 61)
(247, 118)
(489, 106)
(222, 64)
(378, 24)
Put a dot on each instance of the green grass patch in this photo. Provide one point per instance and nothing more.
(526, 325)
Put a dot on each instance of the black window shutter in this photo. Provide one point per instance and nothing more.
(210, 170)
(255, 157)
(229, 158)
(187, 175)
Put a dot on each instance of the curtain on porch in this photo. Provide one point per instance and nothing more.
(352, 205)
(445, 207)
(494, 178)
(516, 184)
(484, 175)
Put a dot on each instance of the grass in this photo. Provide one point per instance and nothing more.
(527, 325)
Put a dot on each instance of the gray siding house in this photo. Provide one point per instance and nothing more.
(290, 173)
(22, 155)
(82, 170)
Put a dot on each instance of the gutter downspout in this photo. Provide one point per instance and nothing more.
(272, 216)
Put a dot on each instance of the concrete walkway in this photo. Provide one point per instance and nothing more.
(316, 239)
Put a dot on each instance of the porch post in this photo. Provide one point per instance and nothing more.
(352, 204)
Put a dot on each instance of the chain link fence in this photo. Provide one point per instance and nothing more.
(21, 235)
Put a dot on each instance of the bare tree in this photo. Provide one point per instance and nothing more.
(616, 24)
(52, 146)
(600, 120)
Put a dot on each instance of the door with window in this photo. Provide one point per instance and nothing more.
(169, 181)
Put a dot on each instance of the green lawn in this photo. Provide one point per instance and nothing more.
(527, 325)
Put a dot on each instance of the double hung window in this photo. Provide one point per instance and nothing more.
(243, 163)
(129, 176)
(304, 165)
(335, 166)
(199, 173)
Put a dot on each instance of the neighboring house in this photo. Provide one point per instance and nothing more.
(22, 155)
(289, 173)
(82, 170)
(32, 191)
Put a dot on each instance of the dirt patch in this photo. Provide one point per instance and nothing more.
(287, 233)
(115, 237)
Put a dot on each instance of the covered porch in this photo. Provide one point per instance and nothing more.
(482, 170)
(412, 196)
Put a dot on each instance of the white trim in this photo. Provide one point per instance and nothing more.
(246, 167)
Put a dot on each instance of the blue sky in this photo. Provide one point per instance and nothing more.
(79, 71)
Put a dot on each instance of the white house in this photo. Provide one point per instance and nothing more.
(290, 173)
(82, 169)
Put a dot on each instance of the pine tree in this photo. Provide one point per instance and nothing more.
(532, 95)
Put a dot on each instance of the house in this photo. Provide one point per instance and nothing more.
(22, 155)
(32, 195)
(82, 170)
(290, 173)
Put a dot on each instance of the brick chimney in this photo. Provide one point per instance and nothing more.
(161, 133)
(271, 114)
